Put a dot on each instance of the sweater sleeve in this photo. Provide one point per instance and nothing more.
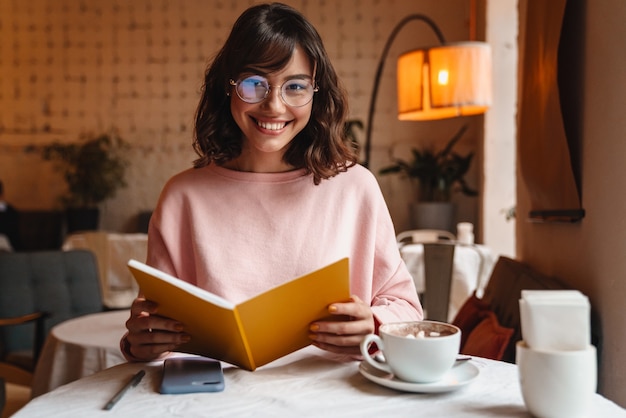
(379, 265)
(397, 299)
(165, 233)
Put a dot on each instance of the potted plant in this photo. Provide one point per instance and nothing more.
(436, 176)
(94, 168)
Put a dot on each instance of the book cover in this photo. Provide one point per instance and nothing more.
(252, 333)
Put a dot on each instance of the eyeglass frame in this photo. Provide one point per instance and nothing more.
(270, 87)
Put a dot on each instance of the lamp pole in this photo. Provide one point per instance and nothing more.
(379, 71)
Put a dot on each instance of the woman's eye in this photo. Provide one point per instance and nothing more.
(296, 86)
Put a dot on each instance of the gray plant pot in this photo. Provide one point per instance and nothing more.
(433, 215)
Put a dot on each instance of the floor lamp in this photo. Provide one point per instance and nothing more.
(445, 81)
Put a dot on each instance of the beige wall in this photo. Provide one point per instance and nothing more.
(591, 255)
(70, 66)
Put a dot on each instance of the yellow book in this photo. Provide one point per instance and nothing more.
(255, 332)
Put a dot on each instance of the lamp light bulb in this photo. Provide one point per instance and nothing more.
(442, 77)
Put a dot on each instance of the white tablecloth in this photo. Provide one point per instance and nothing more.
(80, 347)
(113, 251)
(471, 270)
(309, 383)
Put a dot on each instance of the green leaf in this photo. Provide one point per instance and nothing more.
(437, 174)
(94, 168)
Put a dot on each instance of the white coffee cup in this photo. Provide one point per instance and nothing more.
(557, 383)
(421, 351)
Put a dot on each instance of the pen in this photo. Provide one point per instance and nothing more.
(131, 384)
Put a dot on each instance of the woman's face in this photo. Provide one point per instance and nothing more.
(270, 125)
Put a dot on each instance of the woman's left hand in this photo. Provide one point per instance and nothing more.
(344, 336)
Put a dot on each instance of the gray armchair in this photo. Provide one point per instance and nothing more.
(38, 290)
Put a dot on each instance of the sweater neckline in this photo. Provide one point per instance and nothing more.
(257, 177)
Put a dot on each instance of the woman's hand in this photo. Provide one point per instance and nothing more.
(150, 336)
(344, 335)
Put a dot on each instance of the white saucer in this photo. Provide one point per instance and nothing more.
(459, 376)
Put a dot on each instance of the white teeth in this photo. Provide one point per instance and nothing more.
(271, 126)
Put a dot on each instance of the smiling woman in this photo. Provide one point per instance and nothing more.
(275, 193)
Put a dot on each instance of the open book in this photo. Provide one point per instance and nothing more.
(255, 332)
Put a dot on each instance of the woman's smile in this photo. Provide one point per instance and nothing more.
(270, 125)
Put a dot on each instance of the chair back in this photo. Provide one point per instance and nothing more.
(438, 266)
(415, 236)
(64, 284)
(504, 290)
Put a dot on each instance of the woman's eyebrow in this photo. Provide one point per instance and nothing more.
(250, 71)
(289, 77)
(247, 71)
(295, 77)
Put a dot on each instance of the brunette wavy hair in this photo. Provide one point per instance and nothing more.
(264, 37)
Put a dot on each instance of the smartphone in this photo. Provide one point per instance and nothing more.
(191, 375)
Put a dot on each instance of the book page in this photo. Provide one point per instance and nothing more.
(187, 287)
(277, 322)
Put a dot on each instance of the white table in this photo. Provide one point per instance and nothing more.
(112, 251)
(471, 270)
(309, 382)
(79, 347)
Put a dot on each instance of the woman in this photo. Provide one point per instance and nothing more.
(276, 192)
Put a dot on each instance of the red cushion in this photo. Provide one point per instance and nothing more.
(469, 315)
(488, 339)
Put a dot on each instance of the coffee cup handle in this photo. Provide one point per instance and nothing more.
(365, 346)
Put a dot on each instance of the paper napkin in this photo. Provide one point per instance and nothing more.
(555, 319)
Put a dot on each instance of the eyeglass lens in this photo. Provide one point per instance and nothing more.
(254, 89)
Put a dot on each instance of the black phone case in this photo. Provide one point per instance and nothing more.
(191, 375)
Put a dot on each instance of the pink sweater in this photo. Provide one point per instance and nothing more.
(238, 234)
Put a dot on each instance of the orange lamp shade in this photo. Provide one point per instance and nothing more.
(444, 81)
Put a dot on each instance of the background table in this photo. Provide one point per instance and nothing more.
(80, 347)
(309, 382)
(472, 266)
(112, 251)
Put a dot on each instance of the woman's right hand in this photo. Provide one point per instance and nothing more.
(149, 335)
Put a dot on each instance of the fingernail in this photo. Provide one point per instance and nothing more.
(314, 327)
(185, 338)
(179, 327)
(332, 308)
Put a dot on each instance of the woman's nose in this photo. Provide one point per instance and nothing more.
(274, 99)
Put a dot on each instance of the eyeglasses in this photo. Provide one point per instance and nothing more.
(254, 89)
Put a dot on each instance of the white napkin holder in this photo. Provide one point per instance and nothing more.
(555, 319)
